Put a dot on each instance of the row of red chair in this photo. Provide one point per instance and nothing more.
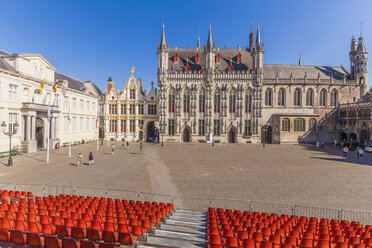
(5, 194)
(235, 229)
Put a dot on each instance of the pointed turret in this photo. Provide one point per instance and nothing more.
(163, 43)
(353, 45)
(258, 38)
(251, 39)
(198, 43)
(209, 42)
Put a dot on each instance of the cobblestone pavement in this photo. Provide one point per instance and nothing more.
(293, 174)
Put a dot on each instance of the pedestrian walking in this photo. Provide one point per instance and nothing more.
(335, 143)
(80, 160)
(346, 150)
(91, 158)
(322, 145)
(317, 144)
(112, 149)
(361, 152)
(127, 145)
(123, 144)
(357, 150)
(141, 148)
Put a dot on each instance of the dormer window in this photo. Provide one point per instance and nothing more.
(175, 58)
(218, 58)
(239, 58)
(196, 57)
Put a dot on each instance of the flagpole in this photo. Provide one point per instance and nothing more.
(48, 117)
(69, 133)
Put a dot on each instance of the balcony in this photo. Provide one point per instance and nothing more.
(29, 106)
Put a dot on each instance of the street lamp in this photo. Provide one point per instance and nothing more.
(10, 133)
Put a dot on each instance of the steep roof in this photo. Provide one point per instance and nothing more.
(4, 64)
(298, 71)
(225, 53)
(72, 82)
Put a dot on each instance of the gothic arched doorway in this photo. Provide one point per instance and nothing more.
(266, 134)
(231, 135)
(186, 134)
(150, 130)
(343, 136)
(40, 132)
(364, 136)
(352, 137)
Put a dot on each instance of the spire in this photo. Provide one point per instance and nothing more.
(258, 38)
(299, 61)
(353, 44)
(163, 43)
(209, 42)
(198, 43)
(361, 29)
(251, 39)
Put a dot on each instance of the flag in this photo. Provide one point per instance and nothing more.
(69, 115)
(202, 70)
(48, 113)
(217, 67)
(64, 90)
(55, 87)
(41, 86)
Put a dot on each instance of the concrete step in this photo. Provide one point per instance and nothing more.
(198, 231)
(171, 242)
(185, 223)
(180, 235)
(188, 219)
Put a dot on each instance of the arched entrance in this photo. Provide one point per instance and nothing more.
(352, 137)
(40, 132)
(150, 129)
(231, 135)
(266, 134)
(364, 136)
(343, 136)
(186, 134)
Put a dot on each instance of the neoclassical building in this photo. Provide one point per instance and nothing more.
(230, 95)
(23, 101)
(130, 114)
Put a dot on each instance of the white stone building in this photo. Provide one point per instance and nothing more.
(232, 94)
(22, 101)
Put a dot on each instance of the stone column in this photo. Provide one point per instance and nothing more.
(33, 127)
(28, 128)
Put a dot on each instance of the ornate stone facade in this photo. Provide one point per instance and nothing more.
(230, 93)
(132, 114)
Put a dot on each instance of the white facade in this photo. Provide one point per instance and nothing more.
(22, 100)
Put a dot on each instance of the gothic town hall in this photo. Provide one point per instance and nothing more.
(230, 95)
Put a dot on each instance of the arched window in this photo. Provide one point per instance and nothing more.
(268, 97)
(312, 124)
(186, 102)
(299, 125)
(248, 102)
(323, 98)
(297, 97)
(171, 102)
(232, 102)
(310, 97)
(281, 97)
(25, 95)
(202, 102)
(247, 128)
(38, 96)
(334, 97)
(286, 125)
(217, 102)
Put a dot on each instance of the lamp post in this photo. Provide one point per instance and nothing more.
(10, 133)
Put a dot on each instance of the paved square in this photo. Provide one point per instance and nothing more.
(293, 174)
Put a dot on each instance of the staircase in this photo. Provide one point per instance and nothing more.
(183, 229)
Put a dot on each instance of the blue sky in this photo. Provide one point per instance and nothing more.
(92, 40)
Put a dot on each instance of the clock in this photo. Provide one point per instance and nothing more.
(38, 70)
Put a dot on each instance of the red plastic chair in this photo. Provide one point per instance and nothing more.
(109, 236)
(69, 243)
(34, 240)
(93, 235)
(126, 239)
(307, 243)
(52, 242)
(249, 243)
(341, 245)
(78, 233)
(323, 244)
(17, 237)
(215, 240)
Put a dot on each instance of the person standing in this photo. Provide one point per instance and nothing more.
(112, 149)
(357, 150)
(361, 152)
(123, 144)
(141, 148)
(346, 150)
(80, 160)
(91, 158)
(127, 145)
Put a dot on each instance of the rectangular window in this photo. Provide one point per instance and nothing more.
(123, 126)
(93, 106)
(101, 108)
(88, 106)
(113, 109)
(216, 127)
(132, 126)
(171, 127)
(201, 127)
(113, 126)
(140, 123)
(81, 104)
(123, 109)
(152, 109)
(132, 94)
(247, 128)
(217, 103)
(74, 103)
(232, 101)
(56, 100)
(132, 109)
(81, 123)
(87, 121)
(66, 102)
(65, 123)
(13, 93)
(171, 103)
(140, 109)
(202, 103)
(74, 124)
(13, 118)
(186, 103)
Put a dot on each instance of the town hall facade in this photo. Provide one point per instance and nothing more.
(230, 95)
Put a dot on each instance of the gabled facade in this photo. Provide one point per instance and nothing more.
(130, 114)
